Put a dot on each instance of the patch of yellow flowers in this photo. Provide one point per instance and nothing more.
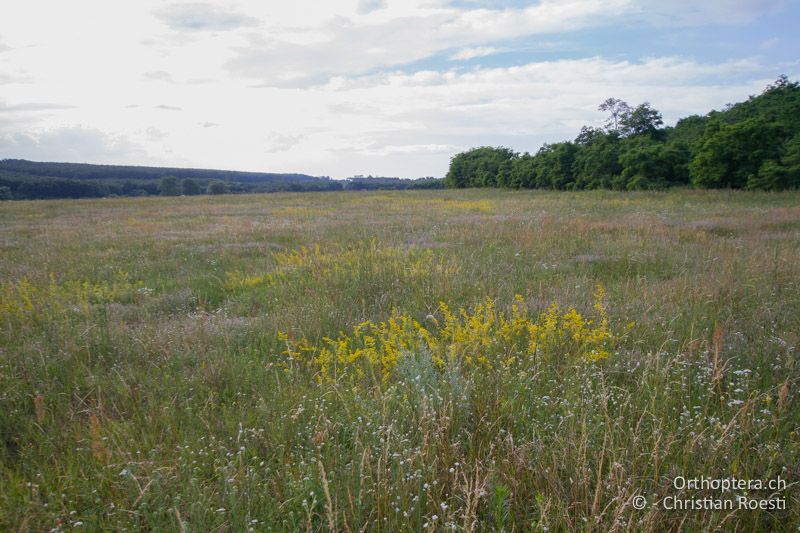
(365, 258)
(29, 301)
(484, 337)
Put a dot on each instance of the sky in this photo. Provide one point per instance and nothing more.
(382, 87)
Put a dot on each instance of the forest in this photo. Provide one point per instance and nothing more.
(752, 145)
(30, 180)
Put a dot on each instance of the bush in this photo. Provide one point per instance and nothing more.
(217, 187)
(169, 186)
(190, 187)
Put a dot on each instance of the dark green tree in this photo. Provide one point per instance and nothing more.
(688, 130)
(650, 164)
(776, 175)
(189, 187)
(169, 186)
(523, 172)
(554, 166)
(217, 187)
(478, 167)
(643, 120)
(504, 174)
(596, 159)
(729, 154)
(588, 135)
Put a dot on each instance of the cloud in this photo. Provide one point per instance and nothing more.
(769, 43)
(70, 144)
(203, 17)
(692, 12)
(376, 149)
(32, 107)
(209, 124)
(282, 143)
(343, 46)
(478, 51)
(21, 76)
(19, 116)
(166, 107)
(158, 75)
(368, 6)
(155, 134)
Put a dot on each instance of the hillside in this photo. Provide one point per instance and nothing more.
(30, 180)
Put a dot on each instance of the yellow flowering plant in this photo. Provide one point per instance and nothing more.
(482, 338)
(25, 300)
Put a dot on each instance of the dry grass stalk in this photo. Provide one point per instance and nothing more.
(328, 501)
(38, 403)
(99, 449)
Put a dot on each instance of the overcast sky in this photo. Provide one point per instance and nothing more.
(380, 87)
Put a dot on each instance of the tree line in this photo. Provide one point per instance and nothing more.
(28, 180)
(16, 186)
(750, 145)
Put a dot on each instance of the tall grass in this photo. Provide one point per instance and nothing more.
(151, 376)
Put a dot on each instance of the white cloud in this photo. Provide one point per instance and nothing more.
(344, 46)
(769, 43)
(71, 144)
(32, 107)
(478, 51)
(201, 16)
(277, 142)
(155, 134)
(158, 75)
(368, 6)
(14, 117)
(378, 149)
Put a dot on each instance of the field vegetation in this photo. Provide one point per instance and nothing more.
(461, 360)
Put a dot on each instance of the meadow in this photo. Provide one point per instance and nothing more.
(472, 360)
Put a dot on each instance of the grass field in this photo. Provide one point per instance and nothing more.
(394, 361)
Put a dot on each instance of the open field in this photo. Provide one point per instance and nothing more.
(299, 361)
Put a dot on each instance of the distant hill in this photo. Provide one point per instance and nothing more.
(86, 171)
(22, 179)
